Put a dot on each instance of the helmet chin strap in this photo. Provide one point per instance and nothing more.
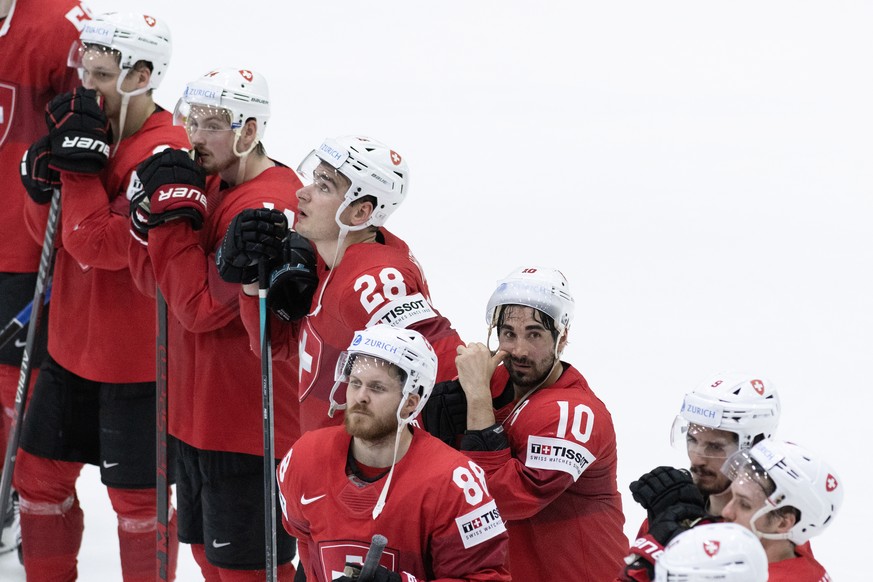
(243, 156)
(762, 535)
(125, 102)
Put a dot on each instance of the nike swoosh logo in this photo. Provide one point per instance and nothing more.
(217, 544)
(20, 343)
(305, 501)
(108, 465)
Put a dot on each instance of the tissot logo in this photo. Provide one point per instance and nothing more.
(481, 521)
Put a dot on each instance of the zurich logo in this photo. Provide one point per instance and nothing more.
(357, 340)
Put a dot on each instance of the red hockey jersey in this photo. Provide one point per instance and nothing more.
(556, 484)
(214, 381)
(802, 568)
(34, 42)
(439, 519)
(100, 326)
(374, 283)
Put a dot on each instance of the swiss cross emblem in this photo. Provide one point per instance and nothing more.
(395, 158)
(831, 483)
(150, 20)
(758, 386)
(247, 75)
(7, 110)
(711, 547)
(547, 449)
(477, 523)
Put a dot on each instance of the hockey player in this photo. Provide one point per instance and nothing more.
(785, 495)
(94, 401)
(214, 387)
(379, 475)
(34, 39)
(366, 274)
(717, 552)
(548, 444)
(730, 411)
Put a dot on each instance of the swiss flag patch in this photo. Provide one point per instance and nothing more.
(758, 386)
(831, 483)
(247, 75)
(711, 547)
(395, 158)
(150, 20)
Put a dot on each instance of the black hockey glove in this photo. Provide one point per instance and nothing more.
(176, 188)
(254, 235)
(663, 487)
(293, 282)
(38, 178)
(646, 550)
(78, 132)
(674, 520)
(445, 413)
(352, 572)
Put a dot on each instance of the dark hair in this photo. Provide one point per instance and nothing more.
(542, 318)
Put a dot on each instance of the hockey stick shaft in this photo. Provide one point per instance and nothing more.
(46, 263)
(374, 554)
(161, 483)
(11, 329)
(267, 404)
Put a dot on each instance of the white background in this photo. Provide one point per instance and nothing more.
(700, 171)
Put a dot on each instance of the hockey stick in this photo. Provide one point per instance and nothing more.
(267, 400)
(46, 264)
(161, 485)
(374, 554)
(11, 329)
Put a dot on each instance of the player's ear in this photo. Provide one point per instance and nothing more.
(361, 212)
(410, 404)
(141, 74)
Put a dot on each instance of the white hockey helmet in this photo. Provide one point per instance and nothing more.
(542, 288)
(373, 169)
(790, 476)
(743, 404)
(242, 93)
(133, 36)
(716, 552)
(405, 348)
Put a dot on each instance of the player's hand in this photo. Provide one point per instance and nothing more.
(254, 235)
(674, 520)
(38, 177)
(140, 211)
(663, 487)
(78, 132)
(352, 573)
(476, 365)
(294, 280)
(175, 186)
(445, 413)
